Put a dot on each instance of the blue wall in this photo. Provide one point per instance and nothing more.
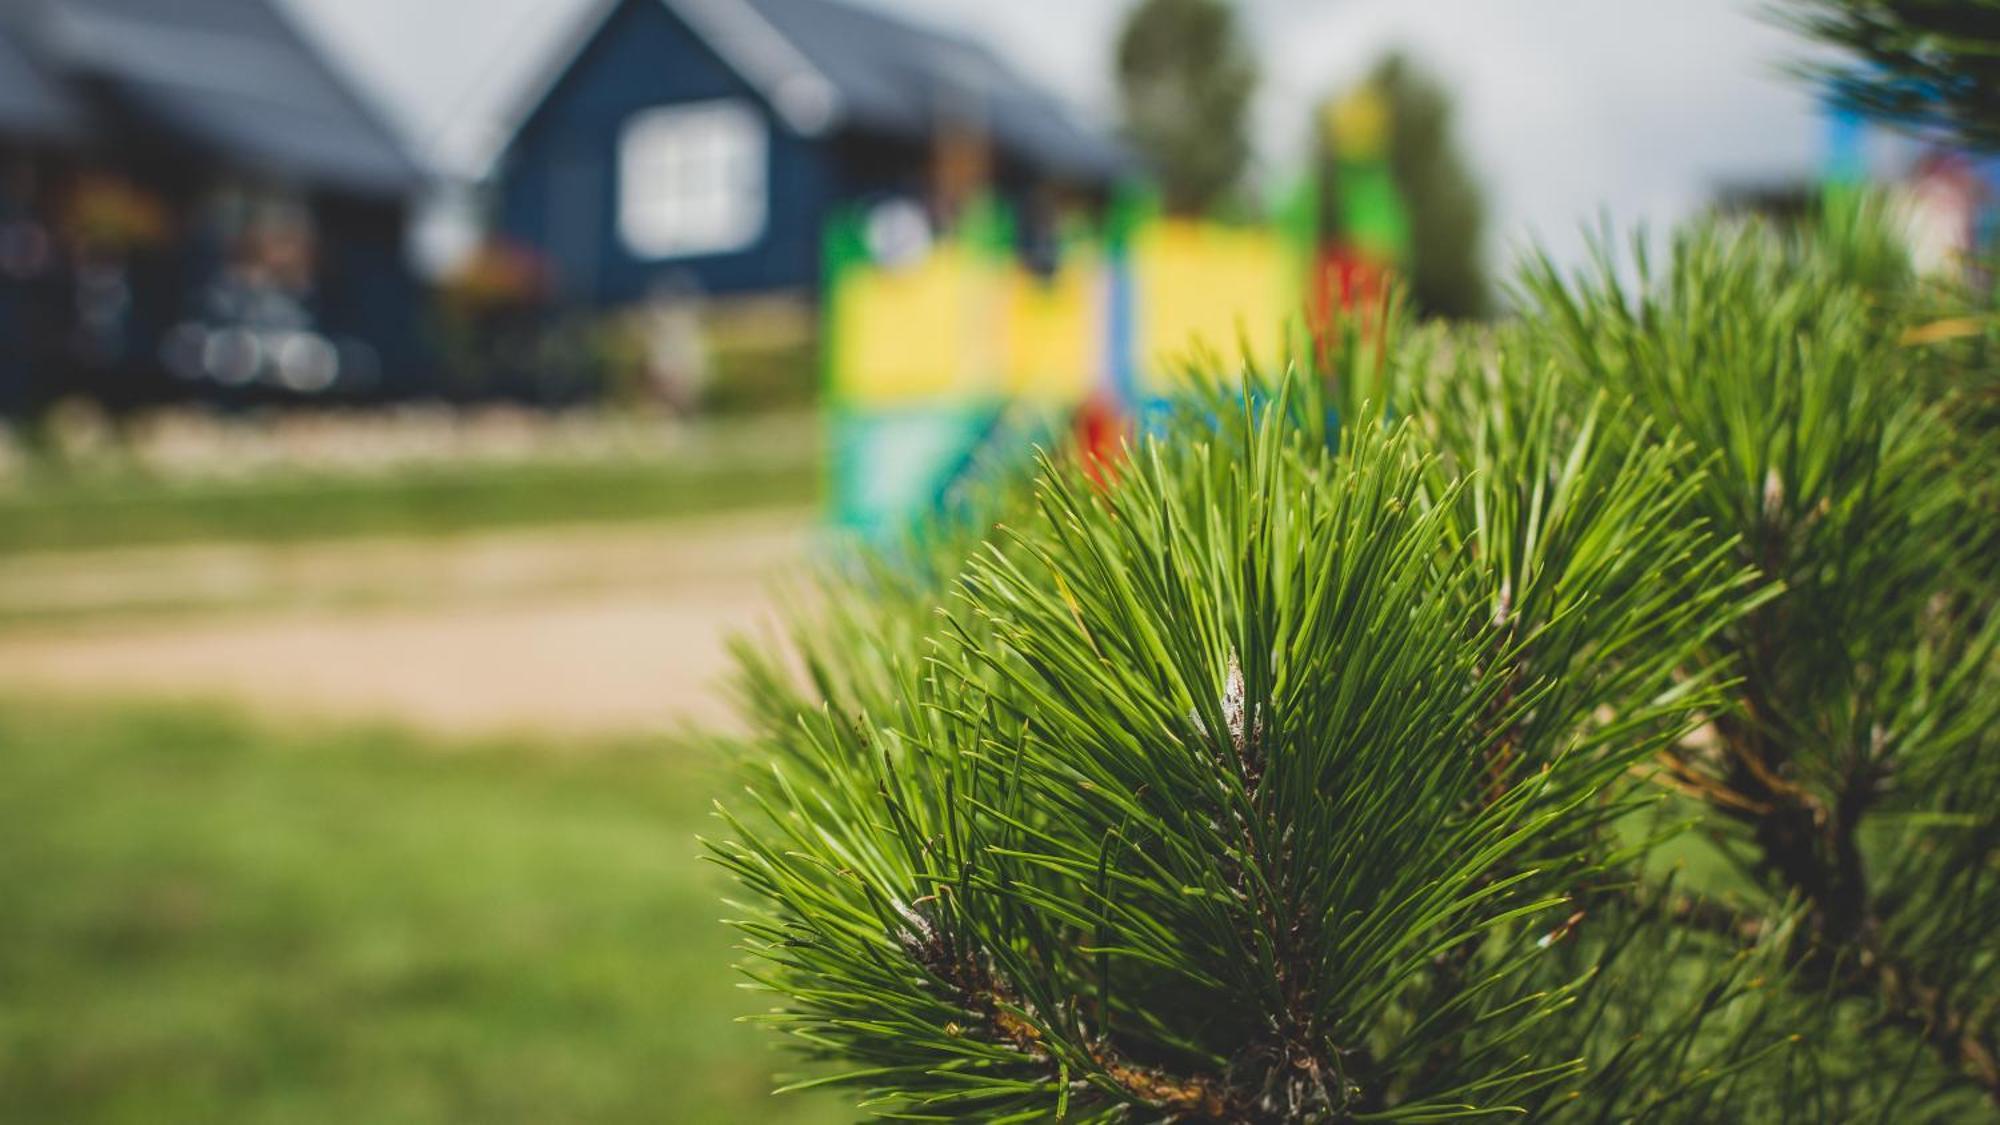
(558, 181)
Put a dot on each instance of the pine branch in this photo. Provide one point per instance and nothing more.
(974, 986)
(1293, 775)
(1928, 1012)
(1823, 444)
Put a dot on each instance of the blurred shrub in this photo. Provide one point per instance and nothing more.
(764, 356)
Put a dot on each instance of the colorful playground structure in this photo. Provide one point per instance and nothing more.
(930, 360)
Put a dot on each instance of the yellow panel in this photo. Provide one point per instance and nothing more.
(1205, 286)
(1052, 332)
(960, 326)
(920, 333)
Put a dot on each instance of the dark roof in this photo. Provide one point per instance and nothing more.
(32, 101)
(825, 65)
(901, 77)
(234, 77)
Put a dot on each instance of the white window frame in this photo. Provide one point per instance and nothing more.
(693, 179)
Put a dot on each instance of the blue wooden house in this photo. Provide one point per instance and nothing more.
(701, 144)
(194, 202)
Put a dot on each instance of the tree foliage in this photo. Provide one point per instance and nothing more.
(1589, 717)
(1932, 64)
(1185, 79)
(1860, 774)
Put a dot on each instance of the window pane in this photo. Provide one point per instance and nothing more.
(692, 179)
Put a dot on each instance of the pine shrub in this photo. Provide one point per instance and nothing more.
(1588, 717)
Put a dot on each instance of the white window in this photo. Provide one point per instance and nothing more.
(691, 179)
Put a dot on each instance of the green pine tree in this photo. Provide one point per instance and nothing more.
(1599, 728)
(1930, 64)
(1858, 776)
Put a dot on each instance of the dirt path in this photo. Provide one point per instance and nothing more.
(573, 632)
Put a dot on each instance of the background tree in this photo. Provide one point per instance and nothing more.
(1185, 80)
(1446, 273)
(1931, 64)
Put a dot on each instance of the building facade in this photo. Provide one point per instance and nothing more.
(701, 145)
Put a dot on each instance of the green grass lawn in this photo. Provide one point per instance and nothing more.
(210, 919)
(738, 465)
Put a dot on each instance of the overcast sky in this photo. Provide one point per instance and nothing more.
(1570, 110)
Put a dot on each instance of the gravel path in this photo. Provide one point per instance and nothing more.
(566, 632)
